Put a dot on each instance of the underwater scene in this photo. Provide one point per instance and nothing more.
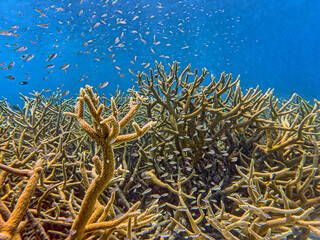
(140, 119)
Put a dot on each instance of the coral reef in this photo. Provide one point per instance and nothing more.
(209, 162)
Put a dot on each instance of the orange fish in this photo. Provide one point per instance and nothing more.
(10, 77)
(43, 25)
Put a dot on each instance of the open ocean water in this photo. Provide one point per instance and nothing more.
(273, 44)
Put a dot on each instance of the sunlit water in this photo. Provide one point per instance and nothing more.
(274, 44)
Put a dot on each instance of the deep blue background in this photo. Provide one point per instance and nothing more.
(271, 43)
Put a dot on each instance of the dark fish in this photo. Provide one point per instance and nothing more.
(51, 56)
(11, 65)
(23, 83)
(10, 77)
(16, 108)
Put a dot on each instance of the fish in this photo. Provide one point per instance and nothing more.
(80, 13)
(102, 85)
(52, 56)
(49, 66)
(131, 71)
(10, 77)
(11, 65)
(23, 83)
(29, 57)
(146, 191)
(96, 24)
(6, 33)
(38, 10)
(43, 25)
(64, 66)
(21, 49)
(146, 65)
(65, 93)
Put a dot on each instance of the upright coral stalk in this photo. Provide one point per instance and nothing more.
(105, 132)
(10, 227)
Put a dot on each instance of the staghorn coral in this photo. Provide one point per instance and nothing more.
(232, 165)
(105, 133)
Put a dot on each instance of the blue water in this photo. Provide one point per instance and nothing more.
(273, 44)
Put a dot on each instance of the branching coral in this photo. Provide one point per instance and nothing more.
(219, 163)
(105, 133)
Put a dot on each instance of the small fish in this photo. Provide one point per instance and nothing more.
(146, 191)
(117, 67)
(21, 49)
(52, 56)
(49, 66)
(38, 10)
(23, 83)
(64, 66)
(43, 25)
(6, 33)
(65, 93)
(29, 57)
(10, 77)
(182, 209)
(14, 27)
(146, 65)
(96, 24)
(102, 85)
(11, 65)
(80, 13)
(156, 196)
(32, 149)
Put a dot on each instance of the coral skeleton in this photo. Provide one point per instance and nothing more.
(199, 161)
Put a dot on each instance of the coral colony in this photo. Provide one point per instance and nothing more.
(174, 159)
